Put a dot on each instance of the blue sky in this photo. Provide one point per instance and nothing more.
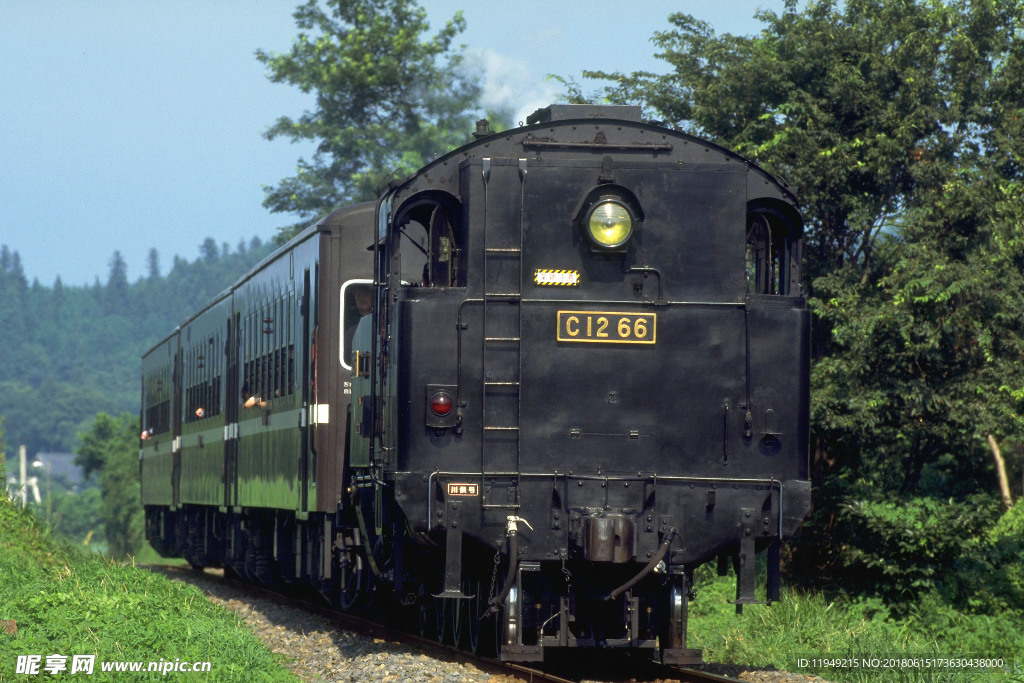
(137, 124)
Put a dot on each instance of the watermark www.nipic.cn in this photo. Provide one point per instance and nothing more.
(86, 664)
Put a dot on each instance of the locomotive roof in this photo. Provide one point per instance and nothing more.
(565, 130)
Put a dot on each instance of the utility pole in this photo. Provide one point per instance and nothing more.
(22, 474)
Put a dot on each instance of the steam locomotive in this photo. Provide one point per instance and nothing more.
(516, 401)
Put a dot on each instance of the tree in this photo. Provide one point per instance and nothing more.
(899, 123)
(153, 264)
(14, 311)
(837, 100)
(110, 449)
(116, 292)
(379, 108)
(888, 142)
(924, 362)
(3, 455)
(208, 250)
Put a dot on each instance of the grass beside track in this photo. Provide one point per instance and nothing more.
(68, 602)
(868, 642)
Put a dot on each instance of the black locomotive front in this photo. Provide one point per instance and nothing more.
(589, 376)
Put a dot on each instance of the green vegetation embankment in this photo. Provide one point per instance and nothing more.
(65, 603)
(964, 622)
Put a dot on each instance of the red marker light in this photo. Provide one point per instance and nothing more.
(441, 404)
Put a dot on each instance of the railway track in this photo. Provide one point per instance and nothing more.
(568, 670)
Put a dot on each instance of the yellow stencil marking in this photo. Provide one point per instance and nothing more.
(556, 278)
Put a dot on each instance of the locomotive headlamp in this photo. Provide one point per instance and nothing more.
(610, 223)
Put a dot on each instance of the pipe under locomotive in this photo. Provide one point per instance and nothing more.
(540, 381)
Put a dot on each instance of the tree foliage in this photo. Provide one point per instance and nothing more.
(863, 105)
(899, 123)
(900, 150)
(925, 357)
(387, 98)
(109, 448)
(70, 352)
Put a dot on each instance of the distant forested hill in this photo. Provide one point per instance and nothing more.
(68, 352)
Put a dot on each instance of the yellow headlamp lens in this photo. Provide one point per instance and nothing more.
(610, 224)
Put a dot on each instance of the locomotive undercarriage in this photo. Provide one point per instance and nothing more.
(548, 605)
(618, 575)
(605, 579)
(562, 605)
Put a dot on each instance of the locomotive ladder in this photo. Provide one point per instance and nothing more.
(501, 325)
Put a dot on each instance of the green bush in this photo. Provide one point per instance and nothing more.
(1003, 587)
(969, 551)
(902, 548)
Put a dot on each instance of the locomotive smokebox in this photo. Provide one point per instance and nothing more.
(607, 537)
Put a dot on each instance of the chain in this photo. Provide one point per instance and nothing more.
(494, 574)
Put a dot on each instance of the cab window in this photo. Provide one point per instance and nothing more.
(771, 260)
